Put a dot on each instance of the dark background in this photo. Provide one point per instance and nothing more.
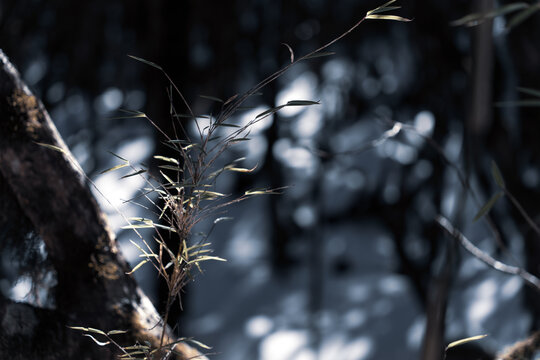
(348, 263)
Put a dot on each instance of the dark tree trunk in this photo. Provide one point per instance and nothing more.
(44, 188)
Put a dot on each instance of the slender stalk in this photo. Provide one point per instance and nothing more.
(522, 211)
(465, 183)
(485, 257)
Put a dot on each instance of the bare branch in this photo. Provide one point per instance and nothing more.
(484, 257)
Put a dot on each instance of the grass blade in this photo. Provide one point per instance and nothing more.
(388, 8)
(114, 168)
(133, 174)
(496, 173)
(388, 17)
(213, 98)
(167, 159)
(487, 207)
(100, 343)
(521, 103)
(319, 54)
(52, 147)
(477, 18)
(290, 51)
(301, 103)
(522, 16)
(380, 8)
(138, 266)
(146, 62)
(529, 91)
(230, 99)
(116, 332)
(464, 341)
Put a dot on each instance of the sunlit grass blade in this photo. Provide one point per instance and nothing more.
(141, 220)
(199, 344)
(241, 170)
(80, 328)
(87, 329)
(52, 147)
(134, 116)
(100, 343)
(137, 267)
(136, 347)
(167, 159)
(224, 218)
(114, 168)
(138, 226)
(388, 17)
(291, 52)
(464, 341)
(117, 332)
(167, 178)
(203, 251)
(133, 355)
(206, 258)
(206, 192)
(140, 248)
(164, 227)
(262, 192)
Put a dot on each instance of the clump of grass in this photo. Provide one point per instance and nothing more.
(185, 186)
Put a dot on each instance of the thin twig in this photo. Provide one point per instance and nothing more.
(522, 211)
(484, 257)
(464, 182)
(234, 105)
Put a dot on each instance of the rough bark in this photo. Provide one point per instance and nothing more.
(92, 290)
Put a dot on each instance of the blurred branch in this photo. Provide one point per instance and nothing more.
(482, 56)
(522, 11)
(437, 301)
(484, 257)
(464, 182)
(522, 211)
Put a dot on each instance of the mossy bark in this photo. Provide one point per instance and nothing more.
(44, 187)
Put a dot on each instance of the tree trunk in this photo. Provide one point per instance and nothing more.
(46, 189)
